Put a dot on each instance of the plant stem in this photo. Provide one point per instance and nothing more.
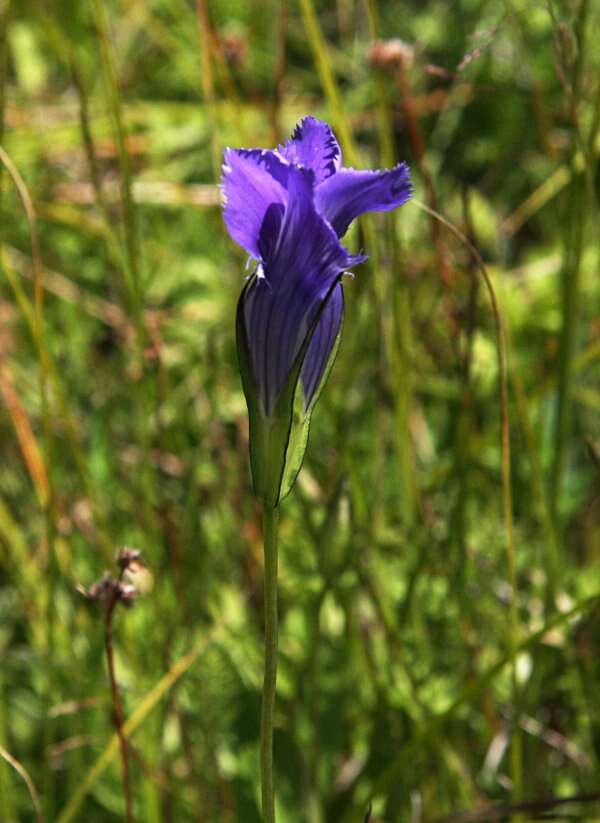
(208, 83)
(6, 804)
(513, 615)
(270, 521)
(85, 126)
(130, 228)
(118, 708)
(327, 78)
(47, 500)
(132, 269)
(579, 206)
(281, 14)
(397, 324)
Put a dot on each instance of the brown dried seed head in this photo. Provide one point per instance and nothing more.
(101, 589)
(386, 54)
(129, 559)
(126, 594)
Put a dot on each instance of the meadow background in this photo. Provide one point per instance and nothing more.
(410, 676)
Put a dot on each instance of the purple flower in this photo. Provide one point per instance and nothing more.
(288, 208)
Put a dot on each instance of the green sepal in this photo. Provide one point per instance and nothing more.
(301, 417)
(278, 441)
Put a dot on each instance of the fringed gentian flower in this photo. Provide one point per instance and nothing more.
(288, 208)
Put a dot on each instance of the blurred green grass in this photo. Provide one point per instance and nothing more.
(394, 586)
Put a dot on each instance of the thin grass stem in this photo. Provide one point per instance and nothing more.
(395, 328)
(135, 720)
(144, 386)
(436, 724)
(279, 70)
(580, 203)
(92, 160)
(130, 228)
(319, 49)
(513, 634)
(400, 334)
(24, 774)
(208, 82)
(63, 408)
(48, 501)
(7, 805)
(4, 18)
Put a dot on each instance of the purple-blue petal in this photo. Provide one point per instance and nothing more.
(349, 193)
(314, 146)
(303, 263)
(322, 343)
(254, 181)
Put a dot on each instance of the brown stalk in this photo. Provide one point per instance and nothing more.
(513, 628)
(116, 698)
(32, 454)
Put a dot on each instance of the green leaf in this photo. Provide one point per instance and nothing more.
(301, 418)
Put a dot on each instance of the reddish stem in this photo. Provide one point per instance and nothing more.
(118, 706)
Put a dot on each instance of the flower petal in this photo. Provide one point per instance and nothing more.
(321, 344)
(314, 146)
(298, 273)
(349, 193)
(253, 181)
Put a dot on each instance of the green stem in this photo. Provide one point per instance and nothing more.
(208, 84)
(513, 615)
(327, 78)
(580, 205)
(397, 324)
(7, 808)
(48, 494)
(571, 287)
(132, 270)
(130, 228)
(270, 520)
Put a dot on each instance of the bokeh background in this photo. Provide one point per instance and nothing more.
(122, 420)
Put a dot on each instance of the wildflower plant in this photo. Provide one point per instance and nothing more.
(289, 208)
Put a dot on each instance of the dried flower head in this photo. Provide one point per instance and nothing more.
(391, 54)
(109, 590)
(129, 559)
